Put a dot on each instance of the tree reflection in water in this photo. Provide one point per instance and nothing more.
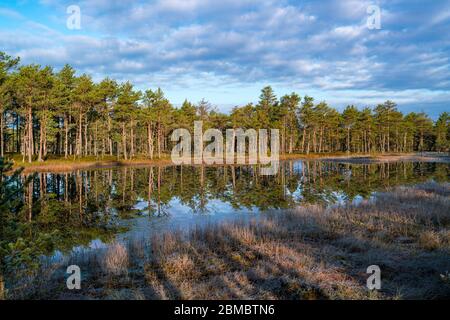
(62, 210)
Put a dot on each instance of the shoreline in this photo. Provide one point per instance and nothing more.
(66, 165)
(391, 158)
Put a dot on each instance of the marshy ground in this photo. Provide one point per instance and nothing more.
(311, 252)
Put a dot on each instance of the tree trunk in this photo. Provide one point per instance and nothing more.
(79, 151)
(405, 142)
(86, 144)
(30, 135)
(18, 135)
(150, 140)
(396, 140)
(110, 142)
(291, 143)
(348, 140)
(124, 141)
(388, 141)
(66, 136)
(303, 139)
(320, 139)
(283, 147)
(41, 141)
(308, 144)
(314, 140)
(421, 140)
(132, 140)
(95, 139)
(159, 140)
(2, 143)
(24, 143)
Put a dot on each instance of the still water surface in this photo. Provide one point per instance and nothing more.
(87, 209)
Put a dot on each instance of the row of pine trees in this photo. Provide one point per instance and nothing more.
(45, 114)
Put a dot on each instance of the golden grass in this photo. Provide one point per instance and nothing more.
(116, 259)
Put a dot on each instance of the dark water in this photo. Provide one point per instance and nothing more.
(90, 208)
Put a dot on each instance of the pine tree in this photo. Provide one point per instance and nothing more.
(106, 96)
(64, 86)
(349, 120)
(266, 108)
(306, 117)
(28, 95)
(442, 129)
(82, 102)
(125, 113)
(289, 105)
(7, 63)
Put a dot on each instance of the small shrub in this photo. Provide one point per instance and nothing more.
(116, 259)
(429, 240)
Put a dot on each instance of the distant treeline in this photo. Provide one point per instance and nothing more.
(44, 113)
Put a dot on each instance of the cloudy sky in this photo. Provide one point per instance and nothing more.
(227, 50)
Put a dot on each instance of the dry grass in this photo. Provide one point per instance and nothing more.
(389, 157)
(59, 164)
(116, 259)
(86, 164)
(306, 253)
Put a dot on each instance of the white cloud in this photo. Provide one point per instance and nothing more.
(203, 44)
(12, 14)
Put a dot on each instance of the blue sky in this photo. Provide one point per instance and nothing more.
(227, 50)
